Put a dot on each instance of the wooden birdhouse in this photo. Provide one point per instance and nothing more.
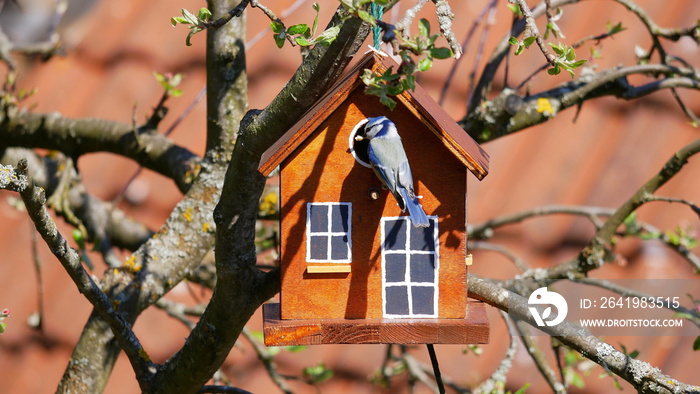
(354, 269)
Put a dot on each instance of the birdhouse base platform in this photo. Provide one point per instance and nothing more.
(474, 329)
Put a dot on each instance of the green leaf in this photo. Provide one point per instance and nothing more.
(440, 53)
(79, 238)
(298, 29)
(175, 92)
(577, 380)
(519, 49)
(696, 344)
(424, 28)
(614, 29)
(554, 70)
(318, 373)
(425, 64)
(193, 31)
(329, 35)
(204, 14)
(558, 49)
(528, 41)
(316, 8)
(394, 90)
(295, 349)
(302, 41)
(578, 63)
(570, 358)
(513, 41)
(178, 19)
(2, 327)
(277, 27)
(190, 17)
(409, 82)
(515, 9)
(279, 40)
(365, 16)
(522, 389)
(388, 101)
(570, 54)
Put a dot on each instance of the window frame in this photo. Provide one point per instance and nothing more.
(328, 234)
(406, 251)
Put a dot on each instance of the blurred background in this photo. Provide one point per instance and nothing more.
(597, 157)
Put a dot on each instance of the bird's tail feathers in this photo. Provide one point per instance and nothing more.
(415, 210)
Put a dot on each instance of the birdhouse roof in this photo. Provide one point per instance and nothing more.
(427, 110)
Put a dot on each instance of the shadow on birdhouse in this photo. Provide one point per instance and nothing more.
(355, 266)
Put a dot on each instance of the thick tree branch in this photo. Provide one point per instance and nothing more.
(509, 113)
(76, 137)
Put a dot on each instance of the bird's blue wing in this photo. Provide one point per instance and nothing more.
(384, 165)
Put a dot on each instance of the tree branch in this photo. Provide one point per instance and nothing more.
(642, 376)
(592, 256)
(498, 118)
(34, 200)
(76, 137)
(105, 223)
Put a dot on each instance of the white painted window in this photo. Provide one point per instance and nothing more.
(328, 232)
(410, 262)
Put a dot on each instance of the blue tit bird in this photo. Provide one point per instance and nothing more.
(388, 160)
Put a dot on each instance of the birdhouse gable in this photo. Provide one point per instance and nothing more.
(419, 103)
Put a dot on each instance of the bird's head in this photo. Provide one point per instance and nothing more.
(379, 127)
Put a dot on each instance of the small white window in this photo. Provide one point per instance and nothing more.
(410, 262)
(328, 230)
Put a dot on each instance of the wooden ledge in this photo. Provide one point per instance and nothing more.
(474, 329)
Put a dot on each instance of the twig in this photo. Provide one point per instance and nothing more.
(404, 25)
(531, 29)
(592, 256)
(538, 357)
(491, 8)
(233, 13)
(268, 361)
(102, 220)
(499, 375)
(445, 17)
(39, 322)
(576, 45)
(485, 230)
(519, 263)
(167, 133)
(262, 33)
(180, 311)
(415, 370)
